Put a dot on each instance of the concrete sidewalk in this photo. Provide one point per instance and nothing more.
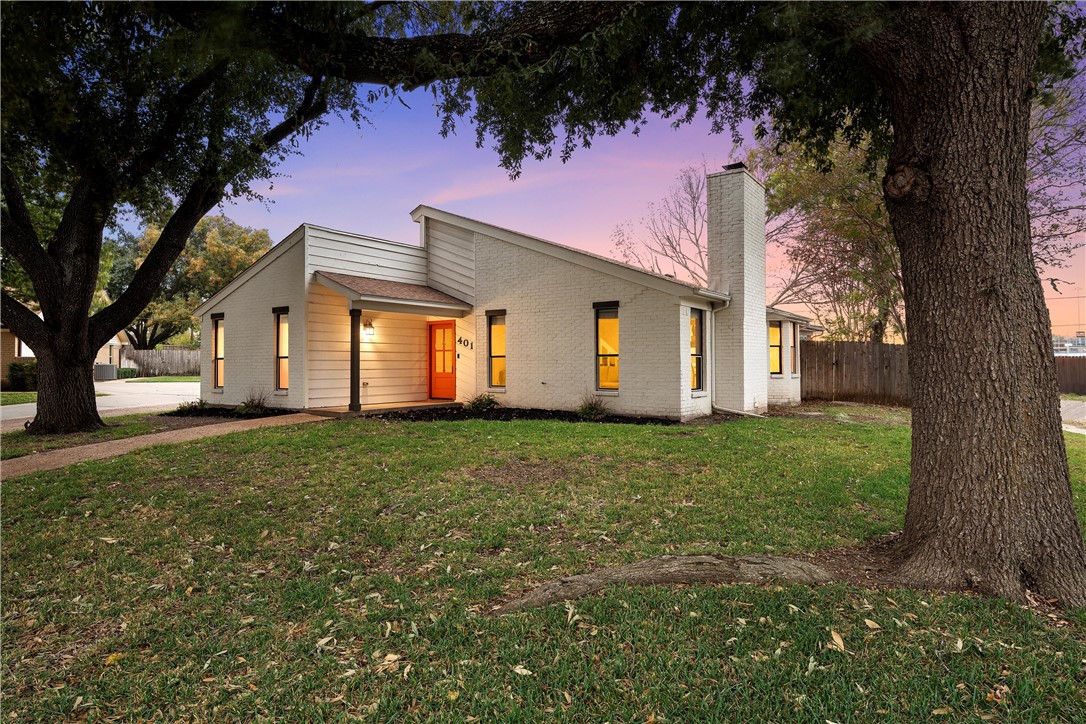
(100, 451)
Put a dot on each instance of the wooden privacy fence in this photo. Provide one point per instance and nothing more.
(866, 372)
(1072, 374)
(854, 371)
(161, 362)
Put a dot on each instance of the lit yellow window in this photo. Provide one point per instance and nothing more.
(775, 348)
(497, 350)
(218, 352)
(282, 349)
(607, 349)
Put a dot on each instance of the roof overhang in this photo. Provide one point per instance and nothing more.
(403, 305)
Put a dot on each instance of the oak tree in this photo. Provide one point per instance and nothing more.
(943, 91)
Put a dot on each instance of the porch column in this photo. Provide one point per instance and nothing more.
(356, 364)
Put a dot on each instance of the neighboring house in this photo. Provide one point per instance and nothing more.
(329, 319)
(12, 348)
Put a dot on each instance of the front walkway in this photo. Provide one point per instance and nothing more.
(100, 451)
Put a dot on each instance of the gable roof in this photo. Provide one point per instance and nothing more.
(269, 256)
(629, 272)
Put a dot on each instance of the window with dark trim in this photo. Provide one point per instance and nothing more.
(697, 358)
(282, 348)
(495, 322)
(218, 351)
(606, 346)
(774, 348)
(795, 348)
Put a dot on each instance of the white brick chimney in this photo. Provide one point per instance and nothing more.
(736, 251)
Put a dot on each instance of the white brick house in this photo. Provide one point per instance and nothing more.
(329, 319)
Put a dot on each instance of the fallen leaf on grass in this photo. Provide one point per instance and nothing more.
(111, 541)
(112, 659)
(871, 624)
(519, 669)
(838, 643)
(453, 695)
(940, 712)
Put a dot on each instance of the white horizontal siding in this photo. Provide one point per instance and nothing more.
(343, 253)
(393, 360)
(451, 259)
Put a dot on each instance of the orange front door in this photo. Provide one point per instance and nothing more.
(443, 360)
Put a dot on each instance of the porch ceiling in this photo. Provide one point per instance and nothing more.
(386, 296)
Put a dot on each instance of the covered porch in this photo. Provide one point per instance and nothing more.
(403, 345)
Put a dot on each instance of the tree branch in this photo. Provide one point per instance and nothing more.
(281, 31)
(19, 237)
(25, 324)
(206, 191)
(177, 108)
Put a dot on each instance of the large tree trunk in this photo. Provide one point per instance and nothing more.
(990, 497)
(66, 401)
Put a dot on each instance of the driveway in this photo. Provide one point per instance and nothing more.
(123, 397)
(1073, 412)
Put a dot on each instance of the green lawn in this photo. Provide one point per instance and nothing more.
(18, 443)
(346, 569)
(1073, 397)
(17, 398)
(168, 378)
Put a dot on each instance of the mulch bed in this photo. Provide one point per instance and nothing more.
(218, 414)
(512, 413)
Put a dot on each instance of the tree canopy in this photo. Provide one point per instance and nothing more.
(217, 250)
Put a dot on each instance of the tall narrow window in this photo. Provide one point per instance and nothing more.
(607, 346)
(218, 351)
(697, 334)
(282, 348)
(496, 347)
(795, 348)
(774, 348)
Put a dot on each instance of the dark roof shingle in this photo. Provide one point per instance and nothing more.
(391, 290)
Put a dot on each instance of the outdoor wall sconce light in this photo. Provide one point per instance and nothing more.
(367, 328)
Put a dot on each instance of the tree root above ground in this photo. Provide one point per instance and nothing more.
(671, 570)
(877, 564)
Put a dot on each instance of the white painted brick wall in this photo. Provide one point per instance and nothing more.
(736, 250)
(250, 336)
(550, 346)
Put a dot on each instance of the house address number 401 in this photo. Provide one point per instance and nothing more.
(465, 343)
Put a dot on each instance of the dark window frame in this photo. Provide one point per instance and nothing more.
(491, 315)
(780, 342)
(279, 313)
(699, 358)
(605, 307)
(218, 322)
(794, 338)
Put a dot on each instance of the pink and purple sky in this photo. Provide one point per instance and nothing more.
(368, 182)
